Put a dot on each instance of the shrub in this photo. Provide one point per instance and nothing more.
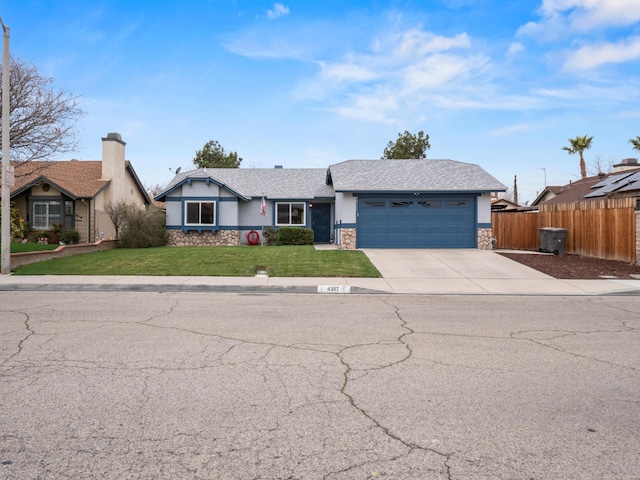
(144, 228)
(57, 228)
(15, 221)
(118, 212)
(70, 237)
(294, 236)
(39, 236)
(269, 235)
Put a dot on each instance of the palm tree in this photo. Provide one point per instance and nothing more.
(579, 145)
(635, 142)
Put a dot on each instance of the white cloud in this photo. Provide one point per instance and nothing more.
(380, 106)
(417, 42)
(511, 129)
(278, 10)
(437, 71)
(560, 17)
(515, 48)
(583, 15)
(346, 72)
(399, 72)
(593, 56)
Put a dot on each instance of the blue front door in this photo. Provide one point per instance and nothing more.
(321, 222)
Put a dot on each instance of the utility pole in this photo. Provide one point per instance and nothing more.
(6, 163)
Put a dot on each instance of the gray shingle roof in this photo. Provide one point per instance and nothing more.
(411, 175)
(285, 183)
(349, 176)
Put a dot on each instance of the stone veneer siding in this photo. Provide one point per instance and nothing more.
(484, 239)
(210, 239)
(348, 238)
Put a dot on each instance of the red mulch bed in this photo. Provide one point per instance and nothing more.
(571, 266)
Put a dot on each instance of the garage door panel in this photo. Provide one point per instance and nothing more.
(407, 222)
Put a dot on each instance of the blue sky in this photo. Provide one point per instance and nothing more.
(499, 83)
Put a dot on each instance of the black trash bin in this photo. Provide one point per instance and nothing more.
(552, 240)
(544, 240)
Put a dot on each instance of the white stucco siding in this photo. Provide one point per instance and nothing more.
(224, 193)
(200, 189)
(346, 208)
(174, 213)
(132, 193)
(484, 208)
(249, 214)
(227, 214)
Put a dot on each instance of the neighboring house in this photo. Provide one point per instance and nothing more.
(75, 192)
(623, 181)
(502, 204)
(356, 204)
(547, 194)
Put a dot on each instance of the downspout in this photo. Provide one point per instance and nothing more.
(88, 221)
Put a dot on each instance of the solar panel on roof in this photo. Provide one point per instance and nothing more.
(606, 189)
(630, 186)
(612, 179)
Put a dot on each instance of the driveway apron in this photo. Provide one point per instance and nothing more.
(454, 271)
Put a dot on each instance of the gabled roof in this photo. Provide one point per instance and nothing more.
(349, 176)
(75, 178)
(272, 183)
(549, 191)
(595, 187)
(411, 176)
(78, 179)
(503, 204)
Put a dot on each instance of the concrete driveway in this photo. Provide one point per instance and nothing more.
(458, 271)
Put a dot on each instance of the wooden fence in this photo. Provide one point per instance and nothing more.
(598, 228)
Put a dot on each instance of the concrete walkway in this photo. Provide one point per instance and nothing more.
(448, 272)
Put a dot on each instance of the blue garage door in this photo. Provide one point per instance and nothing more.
(417, 222)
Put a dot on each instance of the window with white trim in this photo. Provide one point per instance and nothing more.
(46, 213)
(200, 213)
(290, 213)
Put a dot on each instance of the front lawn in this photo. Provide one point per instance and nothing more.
(17, 247)
(283, 261)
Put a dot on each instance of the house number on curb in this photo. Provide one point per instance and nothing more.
(334, 288)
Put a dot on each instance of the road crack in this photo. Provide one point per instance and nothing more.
(22, 341)
(378, 424)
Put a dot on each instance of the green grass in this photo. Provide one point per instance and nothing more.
(17, 247)
(283, 261)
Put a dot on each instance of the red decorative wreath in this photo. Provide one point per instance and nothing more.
(253, 237)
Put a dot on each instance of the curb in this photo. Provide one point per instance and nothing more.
(71, 287)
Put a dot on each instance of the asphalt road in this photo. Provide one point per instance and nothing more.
(282, 386)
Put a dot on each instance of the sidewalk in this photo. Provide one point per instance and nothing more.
(263, 284)
(404, 271)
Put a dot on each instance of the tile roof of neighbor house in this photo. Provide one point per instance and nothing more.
(76, 178)
(274, 183)
(549, 189)
(79, 179)
(591, 188)
(411, 176)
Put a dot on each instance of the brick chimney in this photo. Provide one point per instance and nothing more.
(113, 165)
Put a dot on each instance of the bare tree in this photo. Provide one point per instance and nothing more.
(119, 212)
(42, 120)
(155, 189)
(600, 165)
